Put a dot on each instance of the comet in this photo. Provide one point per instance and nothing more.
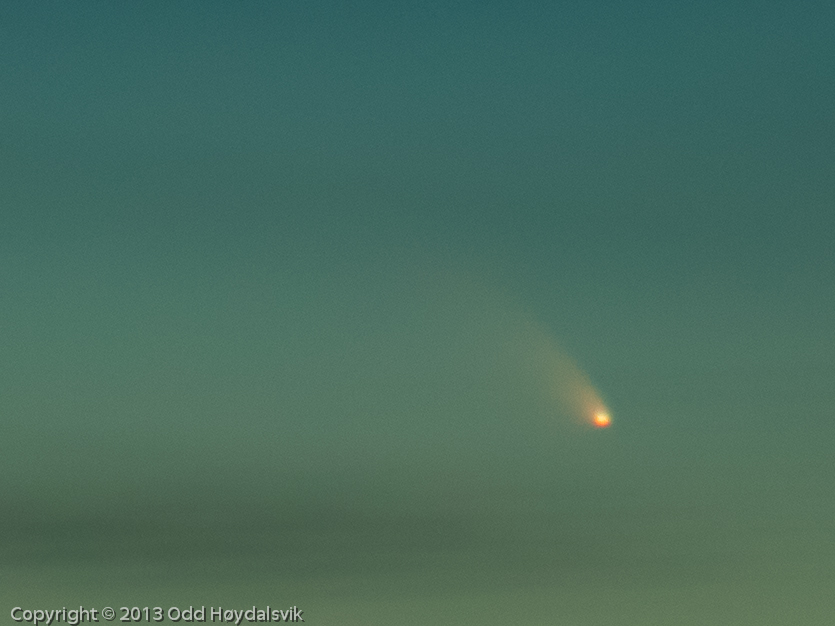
(574, 391)
(497, 320)
(566, 385)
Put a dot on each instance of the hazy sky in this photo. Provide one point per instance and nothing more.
(285, 289)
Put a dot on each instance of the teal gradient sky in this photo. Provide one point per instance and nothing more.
(275, 279)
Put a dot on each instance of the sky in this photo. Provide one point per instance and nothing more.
(307, 304)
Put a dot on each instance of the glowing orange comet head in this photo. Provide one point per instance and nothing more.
(602, 420)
